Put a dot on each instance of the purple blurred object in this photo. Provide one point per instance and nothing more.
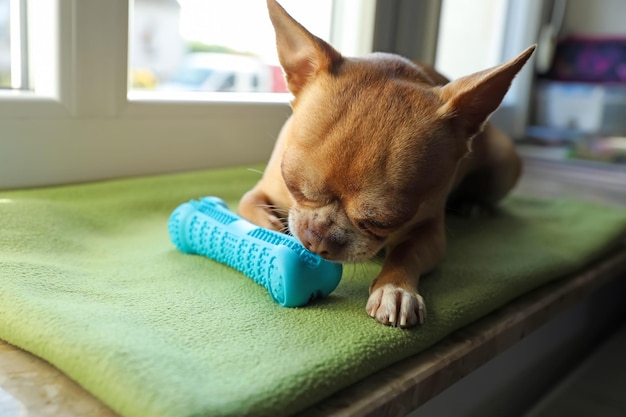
(589, 59)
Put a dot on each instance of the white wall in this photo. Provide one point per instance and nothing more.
(598, 17)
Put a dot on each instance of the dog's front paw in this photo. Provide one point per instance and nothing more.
(395, 306)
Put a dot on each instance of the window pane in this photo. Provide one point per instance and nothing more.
(13, 45)
(212, 45)
(5, 45)
(471, 35)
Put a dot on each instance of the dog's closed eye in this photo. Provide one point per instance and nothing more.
(376, 229)
(380, 225)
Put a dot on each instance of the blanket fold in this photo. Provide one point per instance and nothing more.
(90, 282)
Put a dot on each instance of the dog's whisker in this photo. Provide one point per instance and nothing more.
(269, 206)
(282, 211)
(256, 171)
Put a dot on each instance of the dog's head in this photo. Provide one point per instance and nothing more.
(373, 143)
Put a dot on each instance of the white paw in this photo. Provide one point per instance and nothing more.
(395, 306)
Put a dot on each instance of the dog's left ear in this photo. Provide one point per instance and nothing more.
(302, 55)
(472, 99)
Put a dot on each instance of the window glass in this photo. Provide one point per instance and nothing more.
(212, 45)
(5, 45)
(463, 48)
(14, 54)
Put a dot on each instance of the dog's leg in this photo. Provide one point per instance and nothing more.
(394, 299)
(491, 170)
(256, 207)
(268, 203)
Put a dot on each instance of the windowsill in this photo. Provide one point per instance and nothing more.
(598, 182)
(406, 385)
(391, 392)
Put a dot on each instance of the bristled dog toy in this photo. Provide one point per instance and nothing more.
(292, 275)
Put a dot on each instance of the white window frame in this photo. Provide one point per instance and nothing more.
(82, 127)
(523, 24)
(410, 28)
(79, 125)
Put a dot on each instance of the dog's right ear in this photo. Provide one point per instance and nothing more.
(471, 99)
(302, 55)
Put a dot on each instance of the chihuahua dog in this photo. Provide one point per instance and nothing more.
(374, 151)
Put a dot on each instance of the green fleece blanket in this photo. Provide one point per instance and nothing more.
(90, 282)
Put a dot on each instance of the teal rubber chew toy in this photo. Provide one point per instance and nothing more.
(292, 275)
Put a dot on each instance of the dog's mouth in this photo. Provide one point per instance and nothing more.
(348, 259)
(349, 248)
(331, 235)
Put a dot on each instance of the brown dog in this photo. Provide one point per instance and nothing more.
(370, 156)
